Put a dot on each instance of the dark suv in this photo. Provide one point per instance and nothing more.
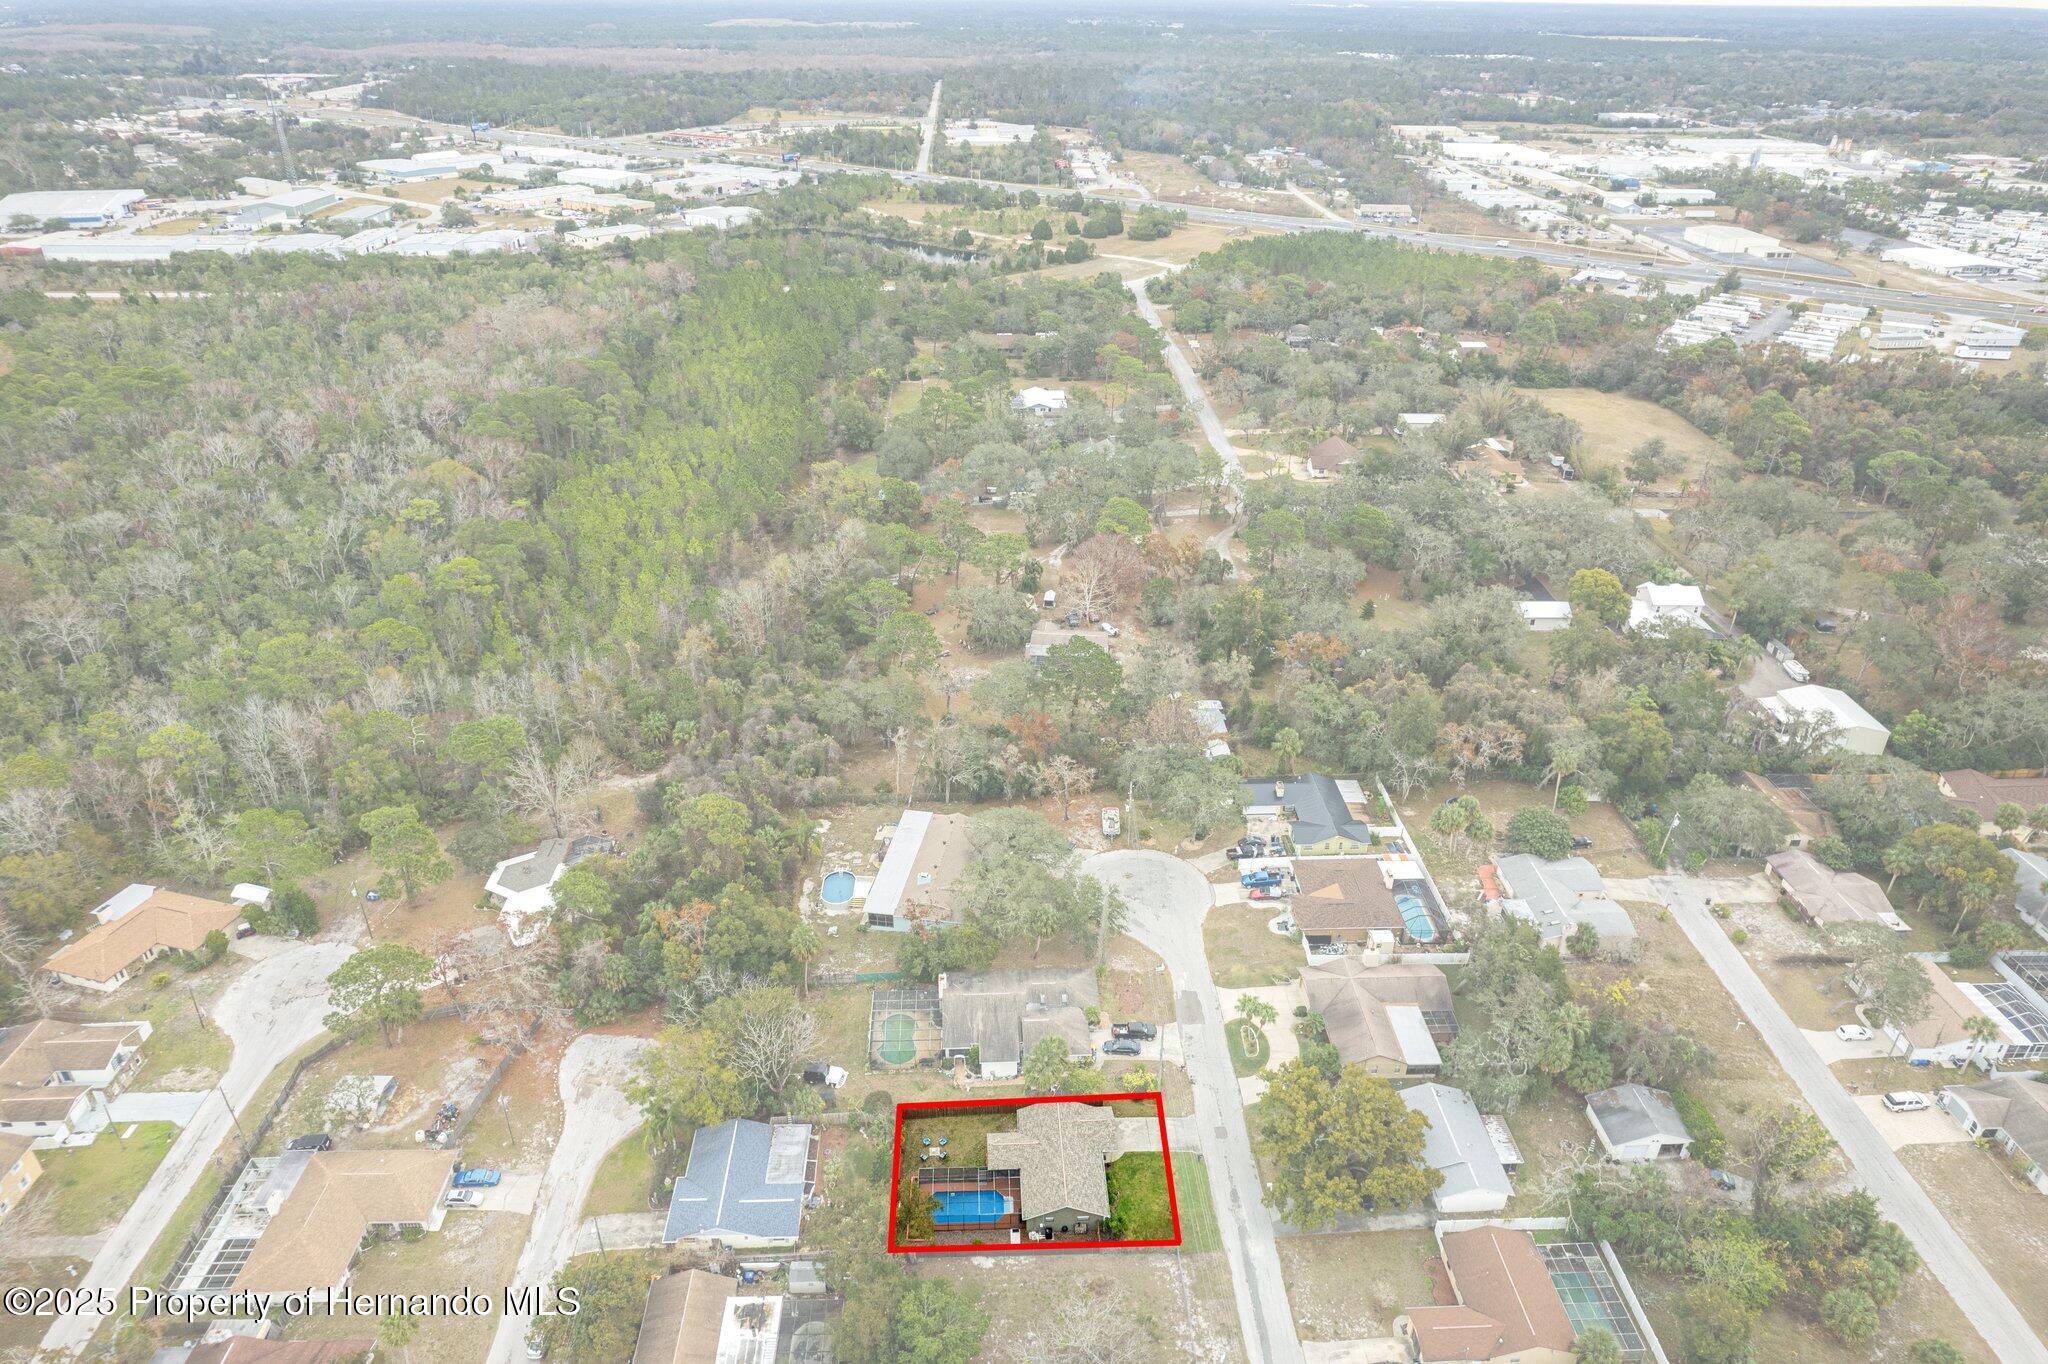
(1133, 1028)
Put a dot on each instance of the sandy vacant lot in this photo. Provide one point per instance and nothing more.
(1616, 424)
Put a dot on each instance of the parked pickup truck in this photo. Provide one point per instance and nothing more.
(1264, 878)
(476, 1177)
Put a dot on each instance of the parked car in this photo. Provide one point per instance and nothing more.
(1907, 1101)
(465, 1198)
(245, 929)
(1326, 949)
(1581, 841)
(1265, 893)
(1112, 821)
(1853, 1032)
(1132, 1027)
(1827, 625)
(476, 1177)
(1121, 1046)
(1723, 1180)
(312, 1141)
(1261, 878)
(536, 1348)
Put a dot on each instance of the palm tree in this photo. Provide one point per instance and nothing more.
(806, 947)
(1982, 1032)
(398, 1328)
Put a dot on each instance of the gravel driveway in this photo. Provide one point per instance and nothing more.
(596, 1116)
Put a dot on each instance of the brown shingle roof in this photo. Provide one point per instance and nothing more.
(1058, 1152)
(1345, 894)
(339, 1196)
(685, 1313)
(1968, 787)
(1499, 1275)
(1353, 998)
(165, 919)
(1453, 1335)
(1332, 454)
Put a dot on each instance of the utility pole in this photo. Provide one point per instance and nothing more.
(197, 1012)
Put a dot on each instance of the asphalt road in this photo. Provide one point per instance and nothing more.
(1199, 404)
(273, 1009)
(1168, 900)
(596, 1116)
(1961, 1273)
(931, 130)
(1759, 276)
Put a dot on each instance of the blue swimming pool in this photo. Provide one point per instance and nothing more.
(838, 888)
(960, 1207)
(1415, 915)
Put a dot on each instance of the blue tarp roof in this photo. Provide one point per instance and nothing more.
(745, 1181)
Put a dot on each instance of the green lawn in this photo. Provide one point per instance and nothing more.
(625, 1181)
(1249, 1050)
(966, 1136)
(1138, 1206)
(1198, 1227)
(89, 1187)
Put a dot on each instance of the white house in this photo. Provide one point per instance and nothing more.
(2012, 1111)
(1040, 402)
(1812, 709)
(1657, 607)
(1459, 1147)
(1545, 616)
(54, 1078)
(524, 886)
(1636, 1123)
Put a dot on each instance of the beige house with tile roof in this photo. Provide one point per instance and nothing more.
(323, 1214)
(165, 921)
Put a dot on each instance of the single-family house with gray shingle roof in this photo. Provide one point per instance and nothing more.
(2011, 1110)
(745, 1186)
(999, 1016)
(1458, 1147)
(1324, 816)
(1059, 1151)
(1556, 897)
(1636, 1123)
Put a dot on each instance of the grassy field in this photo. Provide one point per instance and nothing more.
(625, 1180)
(1243, 952)
(1615, 424)
(2001, 1217)
(1349, 1285)
(1171, 1304)
(89, 1187)
(1138, 1205)
(1199, 1230)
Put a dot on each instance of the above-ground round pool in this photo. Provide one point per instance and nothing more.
(838, 888)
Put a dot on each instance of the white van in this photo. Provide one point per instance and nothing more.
(1051, 599)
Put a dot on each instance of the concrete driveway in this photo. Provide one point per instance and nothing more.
(1868, 1150)
(1168, 900)
(1928, 1127)
(1831, 1048)
(268, 1012)
(596, 1116)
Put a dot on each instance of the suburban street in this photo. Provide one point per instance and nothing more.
(273, 1009)
(1198, 403)
(1168, 900)
(1959, 1270)
(596, 1116)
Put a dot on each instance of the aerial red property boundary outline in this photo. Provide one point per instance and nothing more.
(1153, 1096)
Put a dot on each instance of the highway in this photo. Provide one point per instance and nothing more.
(1315, 218)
